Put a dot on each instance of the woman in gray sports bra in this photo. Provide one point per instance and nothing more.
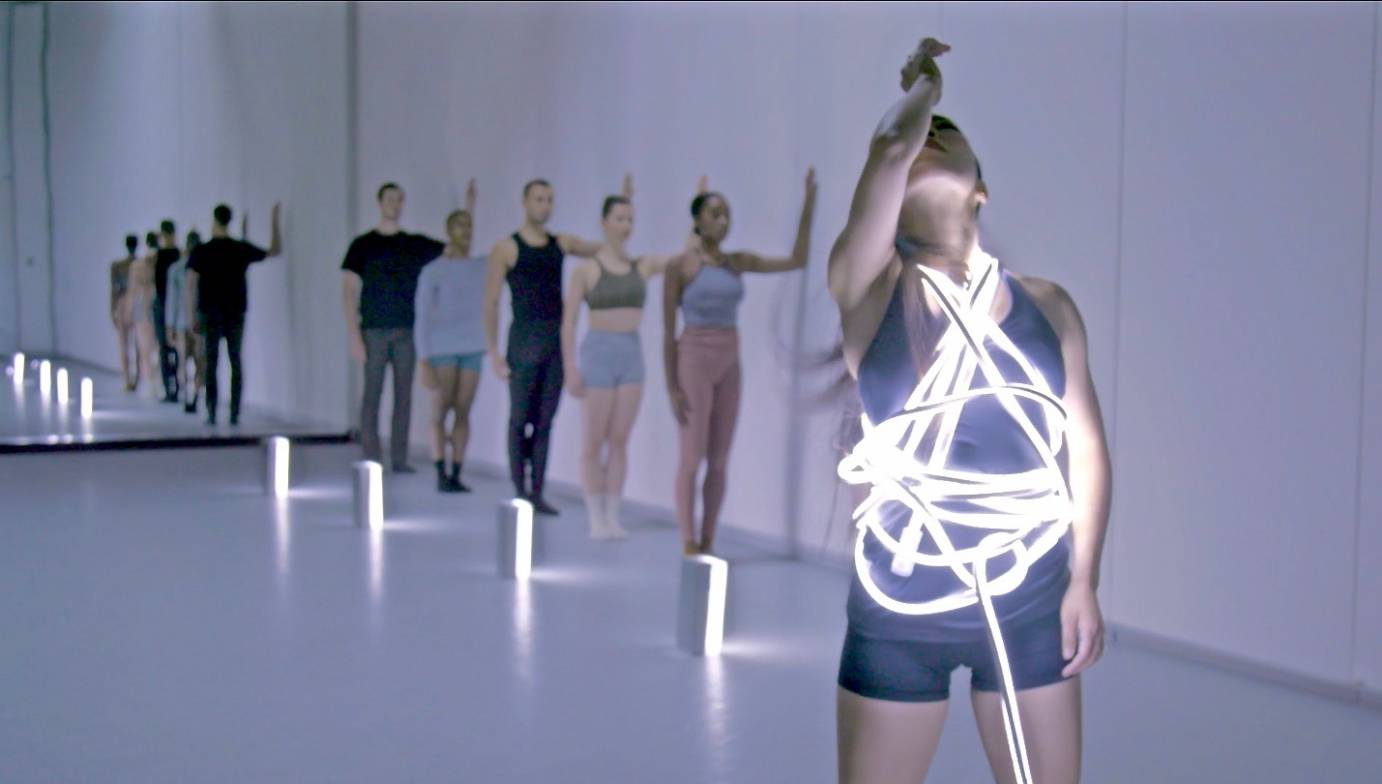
(609, 377)
(702, 364)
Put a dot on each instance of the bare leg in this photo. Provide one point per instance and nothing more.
(597, 409)
(1051, 724)
(460, 426)
(723, 417)
(442, 398)
(882, 742)
(122, 337)
(147, 349)
(626, 401)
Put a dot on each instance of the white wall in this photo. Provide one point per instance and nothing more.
(1212, 212)
(29, 267)
(187, 105)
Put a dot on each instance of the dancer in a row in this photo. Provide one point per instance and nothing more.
(608, 378)
(120, 316)
(449, 337)
(530, 261)
(217, 270)
(705, 284)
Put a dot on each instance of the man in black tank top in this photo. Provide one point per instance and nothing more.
(530, 261)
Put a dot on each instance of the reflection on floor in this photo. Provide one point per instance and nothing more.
(164, 621)
(29, 417)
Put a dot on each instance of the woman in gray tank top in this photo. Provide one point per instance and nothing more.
(609, 376)
(702, 365)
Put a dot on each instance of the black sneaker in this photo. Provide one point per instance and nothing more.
(455, 481)
(444, 485)
(190, 408)
(541, 506)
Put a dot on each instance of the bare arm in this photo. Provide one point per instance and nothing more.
(350, 308)
(501, 258)
(469, 204)
(570, 312)
(1082, 627)
(115, 293)
(801, 249)
(862, 251)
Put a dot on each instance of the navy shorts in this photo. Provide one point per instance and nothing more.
(919, 671)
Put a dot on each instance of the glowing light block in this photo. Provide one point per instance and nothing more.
(369, 495)
(517, 539)
(276, 468)
(87, 398)
(62, 385)
(701, 605)
(19, 365)
(45, 377)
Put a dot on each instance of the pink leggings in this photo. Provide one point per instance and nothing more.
(708, 369)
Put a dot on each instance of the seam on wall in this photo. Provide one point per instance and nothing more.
(352, 167)
(1354, 661)
(48, 184)
(1111, 421)
(13, 173)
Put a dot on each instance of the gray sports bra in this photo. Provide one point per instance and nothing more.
(628, 290)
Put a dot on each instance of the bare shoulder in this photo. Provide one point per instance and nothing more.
(506, 251)
(1055, 303)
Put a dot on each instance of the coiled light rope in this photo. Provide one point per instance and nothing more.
(905, 460)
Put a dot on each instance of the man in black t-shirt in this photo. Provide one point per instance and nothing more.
(379, 282)
(168, 255)
(216, 271)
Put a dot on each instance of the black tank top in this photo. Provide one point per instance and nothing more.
(535, 281)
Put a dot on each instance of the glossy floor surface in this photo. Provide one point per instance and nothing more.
(165, 621)
(31, 419)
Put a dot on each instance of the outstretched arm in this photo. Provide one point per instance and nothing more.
(752, 262)
(862, 251)
(571, 308)
(572, 245)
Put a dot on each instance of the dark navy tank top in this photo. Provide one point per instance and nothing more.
(987, 439)
(535, 281)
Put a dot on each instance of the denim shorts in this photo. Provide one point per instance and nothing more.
(473, 361)
(611, 359)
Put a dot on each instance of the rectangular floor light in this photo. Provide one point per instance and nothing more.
(516, 535)
(369, 495)
(701, 606)
(276, 475)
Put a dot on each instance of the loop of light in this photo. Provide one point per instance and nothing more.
(905, 461)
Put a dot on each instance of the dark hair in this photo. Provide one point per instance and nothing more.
(222, 214)
(151, 239)
(385, 188)
(131, 243)
(193, 240)
(698, 203)
(534, 184)
(456, 214)
(611, 202)
(167, 227)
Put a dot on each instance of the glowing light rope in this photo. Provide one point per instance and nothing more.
(905, 460)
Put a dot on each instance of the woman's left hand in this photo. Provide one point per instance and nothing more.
(1082, 629)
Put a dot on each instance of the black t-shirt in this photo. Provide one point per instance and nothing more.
(221, 264)
(167, 257)
(389, 266)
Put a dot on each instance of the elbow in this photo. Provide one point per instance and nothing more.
(890, 146)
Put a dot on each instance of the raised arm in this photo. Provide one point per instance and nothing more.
(671, 301)
(275, 234)
(501, 259)
(469, 204)
(801, 249)
(571, 307)
(865, 246)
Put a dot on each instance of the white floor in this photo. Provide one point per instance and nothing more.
(164, 621)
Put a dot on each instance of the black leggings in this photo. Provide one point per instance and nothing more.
(535, 379)
(234, 333)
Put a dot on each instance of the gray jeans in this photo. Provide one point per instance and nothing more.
(384, 347)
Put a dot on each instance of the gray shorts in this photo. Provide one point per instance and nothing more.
(611, 359)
